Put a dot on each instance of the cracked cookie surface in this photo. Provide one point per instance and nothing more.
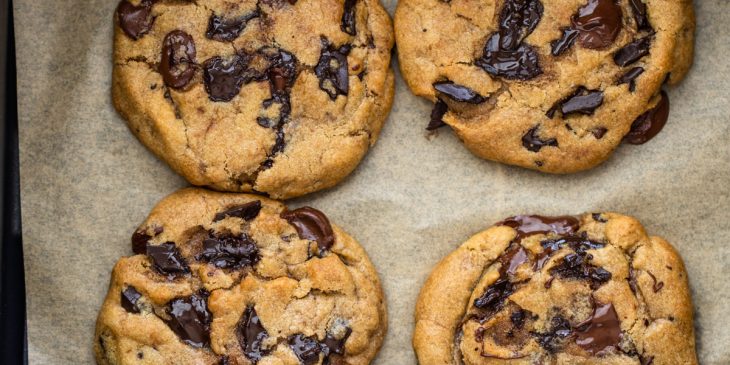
(553, 86)
(590, 289)
(272, 96)
(224, 278)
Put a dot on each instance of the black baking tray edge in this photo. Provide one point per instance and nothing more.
(13, 334)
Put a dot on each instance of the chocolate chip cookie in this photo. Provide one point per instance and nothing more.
(593, 289)
(553, 86)
(222, 278)
(282, 97)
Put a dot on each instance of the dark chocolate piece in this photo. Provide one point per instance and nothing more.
(566, 40)
(306, 348)
(639, 9)
(251, 334)
(552, 340)
(229, 251)
(226, 30)
(601, 332)
(332, 70)
(437, 116)
(599, 132)
(578, 243)
(528, 225)
(247, 211)
(348, 24)
(167, 259)
(130, 296)
(311, 224)
(139, 241)
(633, 51)
(223, 79)
(630, 77)
(576, 266)
(190, 319)
(649, 124)
(598, 23)
(582, 102)
(331, 345)
(532, 141)
(135, 21)
(177, 65)
(494, 296)
(458, 92)
(505, 54)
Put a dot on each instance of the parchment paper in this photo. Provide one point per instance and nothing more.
(87, 183)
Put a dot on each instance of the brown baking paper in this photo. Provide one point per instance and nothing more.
(87, 183)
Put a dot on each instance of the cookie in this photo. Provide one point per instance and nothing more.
(271, 96)
(223, 278)
(553, 86)
(593, 289)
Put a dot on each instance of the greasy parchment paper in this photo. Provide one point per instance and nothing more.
(87, 183)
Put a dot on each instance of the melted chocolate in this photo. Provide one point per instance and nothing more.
(281, 74)
(512, 259)
(528, 225)
(582, 101)
(306, 348)
(532, 141)
(247, 211)
(494, 296)
(190, 319)
(167, 260)
(251, 334)
(230, 252)
(505, 54)
(598, 23)
(223, 79)
(578, 243)
(562, 44)
(577, 266)
(348, 24)
(458, 92)
(601, 332)
(130, 296)
(135, 21)
(177, 65)
(649, 124)
(332, 70)
(313, 225)
(226, 30)
(633, 51)
(552, 340)
(437, 116)
(630, 77)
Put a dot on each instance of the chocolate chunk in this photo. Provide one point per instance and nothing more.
(130, 296)
(649, 124)
(598, 23)
(229, 251)
(559, 46)
(505, 55)
(630, 77)
(576, 266)
(517, 20)
(633, 51)
(223, 79)
(332, 345)
(532, 141)
(528, 225)
(226, 30)
(458, 92)
(281, 73)
(559, 330)
(167, 259)
(332, 70)
(518, 318)
(306, 348)
(190, 319)
(311, 224)
(348, 18)
(578, 243)
(639, 9)
(583, 101)
(251, 334)
(437, 115)
(521, 63)
(599, 132)
(139, 241)
(494, 296)
(247, 211)
(135, 21)
(601, 332)
(177, 65)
